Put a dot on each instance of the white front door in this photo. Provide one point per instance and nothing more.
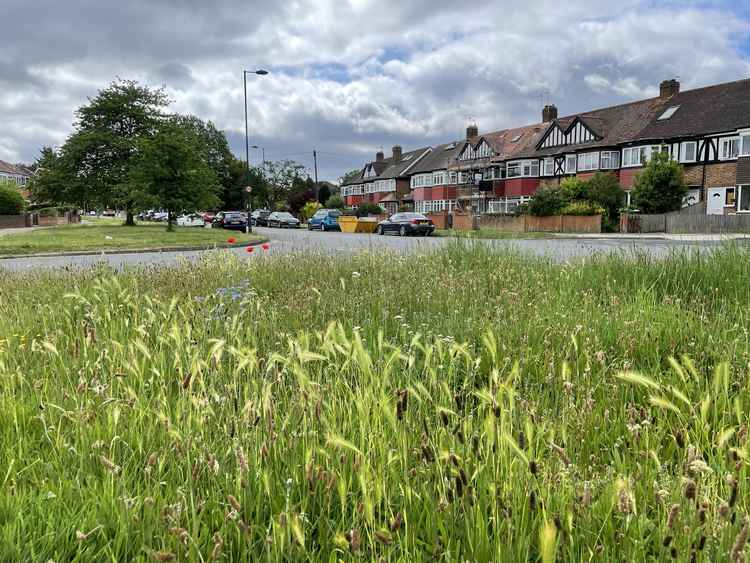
(715, 201)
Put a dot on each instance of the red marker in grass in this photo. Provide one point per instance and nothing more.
(231, 240)
(265, 246)
(250, 249)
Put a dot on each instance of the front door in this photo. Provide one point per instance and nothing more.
(715, 201)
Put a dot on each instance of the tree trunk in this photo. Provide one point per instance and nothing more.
(129, 218)
(170, 225)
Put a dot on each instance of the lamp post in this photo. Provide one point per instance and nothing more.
(263, 151)
(259, 72)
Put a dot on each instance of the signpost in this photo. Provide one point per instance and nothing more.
(248, 191)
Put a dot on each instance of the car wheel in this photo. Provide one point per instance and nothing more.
(323, 227)
(380, 230)
(402, 231)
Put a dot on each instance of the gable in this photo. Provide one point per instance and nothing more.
(575, 134)
(472, 152)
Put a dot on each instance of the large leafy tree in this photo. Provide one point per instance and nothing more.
(94, 164)
(660, 186)
(234, 196)
(283, 178)
(173, 171)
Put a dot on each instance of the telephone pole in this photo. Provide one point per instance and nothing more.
(317, 189)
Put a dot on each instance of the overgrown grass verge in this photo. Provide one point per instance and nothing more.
(466, 405)
(73, 238)
(493, 234)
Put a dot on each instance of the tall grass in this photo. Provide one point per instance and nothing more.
(466, 405)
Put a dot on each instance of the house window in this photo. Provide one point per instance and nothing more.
(689, 151)
(588, 161)
(549, 167)
(570, 164)
(744, 199)
(438, 179)
(454, 177)
(609, 160)
(745, 144)
(638, 156)
(514, 169)
(669, 113)
(730, 148)
(730, 199)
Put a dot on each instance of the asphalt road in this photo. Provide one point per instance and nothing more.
(289, 241)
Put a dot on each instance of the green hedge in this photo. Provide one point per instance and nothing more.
(11, 200)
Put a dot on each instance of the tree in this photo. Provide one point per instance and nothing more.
(547, 201)
(351, 175)
(308, 210)
(335, 202)
(281, 177)
(173, 173)
(660, 186)
(367, 208)
(11, 200)
(324, 192)
(93, 166)
(233, 194)
(604, 190)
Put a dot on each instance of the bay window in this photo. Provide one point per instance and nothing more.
(639, 156)
(438, 179)
(522, 169)
(609, 160)
(588, 161)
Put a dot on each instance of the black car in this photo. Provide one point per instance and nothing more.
(282, 219)
(259, 217)
(407, 224)
(230, 220)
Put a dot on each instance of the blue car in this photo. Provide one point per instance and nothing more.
(325, 220)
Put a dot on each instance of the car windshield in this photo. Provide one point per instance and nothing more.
(285, 216)
(414, 216)
(233, 216)
(335, 214)
(321, 213)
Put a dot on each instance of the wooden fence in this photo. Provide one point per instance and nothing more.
(522, 223)
(691, 220)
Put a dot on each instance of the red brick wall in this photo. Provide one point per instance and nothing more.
(721, 175)
(627, 177)
(521, 186)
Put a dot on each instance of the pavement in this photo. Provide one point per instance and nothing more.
(332, 243)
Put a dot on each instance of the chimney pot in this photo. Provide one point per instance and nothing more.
(549, 113)
(669, 88)
(397, 152)
(472, 131)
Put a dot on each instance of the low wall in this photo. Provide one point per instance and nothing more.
(440, 218)
(530, 223)
(509, 223)
(15, 221)
(465, 221)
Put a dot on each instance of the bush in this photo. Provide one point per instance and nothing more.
(604, 190)
(547, 201)
(660, 186)
(308, 210)
(367, 208)
(335, 202)
(582, 208)
(11, 200)
(573, 189)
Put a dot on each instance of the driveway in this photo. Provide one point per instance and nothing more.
(331, 243)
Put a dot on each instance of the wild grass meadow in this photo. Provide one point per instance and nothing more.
(459, 406)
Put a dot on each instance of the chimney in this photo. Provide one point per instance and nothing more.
(379, 156)
(472, 131)
(549, 113)
(397, 152)
(669, 88)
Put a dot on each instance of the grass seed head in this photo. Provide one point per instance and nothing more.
(673, 514)
(234, 503)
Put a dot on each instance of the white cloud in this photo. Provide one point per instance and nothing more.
(349, 77)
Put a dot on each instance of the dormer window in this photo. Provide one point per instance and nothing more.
(668, 113)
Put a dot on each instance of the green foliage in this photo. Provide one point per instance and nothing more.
(283, 178)
(324, 192)
(308, 210)
(546, 201)
(582, 208)
(573, 189)
(604, 190)
(351, 175)
(11, 200)
(367, 208)
(660, 186)
(173, 172)
(335, 202)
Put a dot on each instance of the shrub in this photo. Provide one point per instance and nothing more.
(573, 189)
(547, 201)
(660, 186)
(335, 202)
(582, 207)
(308, 210)
(604, 190)
(367, 208)
(11, 200)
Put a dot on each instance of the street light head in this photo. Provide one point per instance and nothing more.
(261, 72)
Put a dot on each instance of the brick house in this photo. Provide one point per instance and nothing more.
(707, 130)
(13, 174)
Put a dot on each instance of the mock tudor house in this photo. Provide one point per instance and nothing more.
(11, 173)
(707, 130)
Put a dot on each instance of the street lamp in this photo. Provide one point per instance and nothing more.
(259, 72)
(262, 149)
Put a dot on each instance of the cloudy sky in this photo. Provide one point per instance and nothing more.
(349, 77)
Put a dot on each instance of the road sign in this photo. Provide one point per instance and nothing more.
(248, 189)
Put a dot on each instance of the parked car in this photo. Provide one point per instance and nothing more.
(282, 219)
(208, 217)
(407, 224)
(259, 218)
(191, 220)
(230, 220)
(325, 220)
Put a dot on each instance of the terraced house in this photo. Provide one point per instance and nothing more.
(11, 173)
(707, 130)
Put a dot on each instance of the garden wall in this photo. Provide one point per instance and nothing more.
(34, 219)
(691, 220)
(15, 221)
(530, 224)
